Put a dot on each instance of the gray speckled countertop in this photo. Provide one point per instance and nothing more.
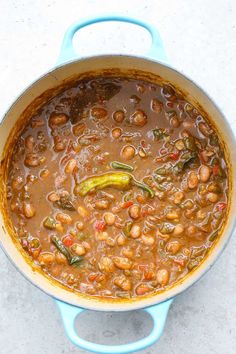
(200, 39)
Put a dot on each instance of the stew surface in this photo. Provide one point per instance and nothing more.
(117, 187)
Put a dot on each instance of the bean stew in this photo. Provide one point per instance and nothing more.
(117, 187)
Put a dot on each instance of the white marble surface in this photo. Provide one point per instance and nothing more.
(200, 39)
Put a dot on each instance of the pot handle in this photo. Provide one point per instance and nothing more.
(68, 52)
(158, 313)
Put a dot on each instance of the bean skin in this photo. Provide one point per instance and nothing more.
(163, 277)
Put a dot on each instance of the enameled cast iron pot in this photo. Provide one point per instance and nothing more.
(72, 304)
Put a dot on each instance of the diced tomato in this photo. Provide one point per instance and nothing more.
(215, 170)
(127, 204)
(99, 225)
(92, 276)
(67, 241)
(174, 155)
(149, 274)
(143, 144)
(221, 206)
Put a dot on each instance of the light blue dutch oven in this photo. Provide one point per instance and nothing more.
(69, 65)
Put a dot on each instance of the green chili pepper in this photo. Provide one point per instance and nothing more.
(127, 228)
(213, 236)
(50, 223)
(118, 180)
(159, 133)
(64, 250)
(167, 228)
(121, 166)
(190, 143)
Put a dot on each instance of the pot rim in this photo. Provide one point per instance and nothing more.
(136, 303)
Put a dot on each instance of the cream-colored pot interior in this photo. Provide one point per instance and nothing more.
(124, 63)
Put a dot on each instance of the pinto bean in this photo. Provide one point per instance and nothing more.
(128, 152)
(102, 204)
(109, 218)
(78, 249)
(173, 247)
(204, 173)
(192, 180)
(60, 258)
(134, 211)
(46, 258)
(127, 252)
(121, 240)
(172, 214)
(64, 218)
(135, 231)
(139, 118)
(70, 166)
(29, 142)
(106, 264)
(57, 119)
(142, 289)
(53, 197)
(29, 210)
(17, 182)
(118, 116)
(122, 263)
(78, 129)
(156, 105)
(178, 197)
(84, 213)
(174, 122)
(212, 197)
(178, 230)
(32, 160)
(163, 276)
(123, 283)
(98, 112)
(204, 129)
(116, 133)
(148, 240)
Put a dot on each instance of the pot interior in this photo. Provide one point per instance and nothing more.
(51, 84)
